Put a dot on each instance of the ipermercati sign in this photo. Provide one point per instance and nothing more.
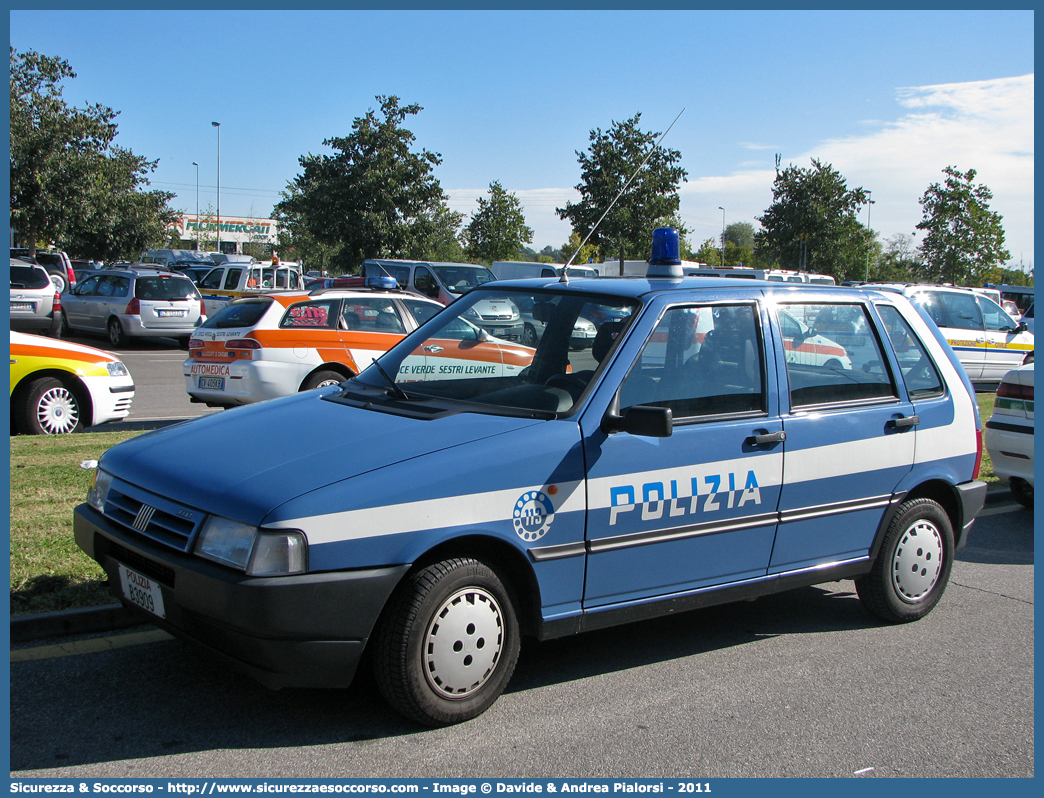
(233, 228)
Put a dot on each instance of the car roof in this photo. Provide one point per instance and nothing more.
(635, 287)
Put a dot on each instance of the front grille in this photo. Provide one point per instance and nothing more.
(143, 565)
(152, 516)
(496, 317)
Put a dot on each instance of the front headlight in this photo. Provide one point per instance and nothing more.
(99, 491)
(117, 369)
(254, 551)
(225, 541)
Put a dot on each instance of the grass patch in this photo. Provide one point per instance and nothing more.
(48, 570)
(986, 469)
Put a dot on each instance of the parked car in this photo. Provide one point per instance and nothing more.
(1027, 318)
(140, 302)
(988, 342)
(584, 331)
(57, 264)
(461, 492)
(59, 387)
(267, 346)
(231, 280)
(1009, 433)
(36, 304)
(443, 282)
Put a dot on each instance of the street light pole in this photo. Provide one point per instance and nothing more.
(869, 242)
(722, 236)
(218, 126)
(197, 204)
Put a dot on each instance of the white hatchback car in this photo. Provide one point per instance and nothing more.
(1009, 433)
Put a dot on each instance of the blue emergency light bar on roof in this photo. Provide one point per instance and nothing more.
(383, 282)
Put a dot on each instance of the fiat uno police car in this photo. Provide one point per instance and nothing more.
(452, 498)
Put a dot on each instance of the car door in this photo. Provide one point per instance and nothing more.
(849, 443)
(959, 318)
(1006, 344)
(76, 303)
(370, 326)
(695, 509)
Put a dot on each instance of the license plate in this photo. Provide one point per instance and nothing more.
(141, 591)
(21, 306)
(166, 313)
(213, 383)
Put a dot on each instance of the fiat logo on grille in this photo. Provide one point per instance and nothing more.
(144, 516)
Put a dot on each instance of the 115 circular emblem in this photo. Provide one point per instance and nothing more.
(533, 515)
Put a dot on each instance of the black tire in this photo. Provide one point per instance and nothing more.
(911, 571)
(529, 336)
(321, 379)
(116, 334)
(57, 325)
(437, 678)
(1022, 491)
(47, 406)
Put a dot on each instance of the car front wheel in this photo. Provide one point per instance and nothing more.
(447, 644)
(49, 408)
(911, 571)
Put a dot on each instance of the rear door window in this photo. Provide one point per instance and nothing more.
(823, 370)
(919, 372)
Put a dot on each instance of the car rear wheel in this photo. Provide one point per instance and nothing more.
(116, 334)
(447, 644)
(911, 571)
(1022, 491)
(321, 379)
(49, 407)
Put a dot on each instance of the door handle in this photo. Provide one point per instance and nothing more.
(766, 438)
(433, 348)
(904, 423)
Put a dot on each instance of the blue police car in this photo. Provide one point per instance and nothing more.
(465, 490)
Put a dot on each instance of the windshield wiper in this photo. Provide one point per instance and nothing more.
(394, 385)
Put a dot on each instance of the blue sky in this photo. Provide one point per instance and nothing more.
(889, 98)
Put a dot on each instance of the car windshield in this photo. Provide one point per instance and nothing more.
(461, 278)
(28, 277)
(452, 359)
(164, 287)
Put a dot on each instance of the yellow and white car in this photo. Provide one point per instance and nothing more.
(59, 387)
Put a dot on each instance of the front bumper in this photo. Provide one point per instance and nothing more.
(292, 631)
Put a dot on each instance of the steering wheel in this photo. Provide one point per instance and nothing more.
(573, 383)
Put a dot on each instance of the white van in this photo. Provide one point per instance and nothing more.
(519, 270)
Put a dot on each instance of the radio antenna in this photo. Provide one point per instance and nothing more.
(564, 278)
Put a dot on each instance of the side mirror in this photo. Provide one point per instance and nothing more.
(542, 311)
(644, 420)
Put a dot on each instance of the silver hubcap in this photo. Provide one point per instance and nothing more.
(58, 412)
(917, 561)
(463, 643)
(327, 383)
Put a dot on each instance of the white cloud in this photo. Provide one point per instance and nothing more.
(984, 125)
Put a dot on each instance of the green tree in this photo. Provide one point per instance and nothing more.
(741, 234)
(374, 197)
(612, 158)
(498, 229)
(812, 223)
(964, 239)
(587, 254)
(70, 184)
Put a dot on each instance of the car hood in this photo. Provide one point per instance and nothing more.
(245, 462)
